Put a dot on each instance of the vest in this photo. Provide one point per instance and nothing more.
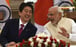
(64, 23)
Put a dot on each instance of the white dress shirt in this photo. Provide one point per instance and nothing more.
(20, 22)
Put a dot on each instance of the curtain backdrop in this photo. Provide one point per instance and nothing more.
(41, 10)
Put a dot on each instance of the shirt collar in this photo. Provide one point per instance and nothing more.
(20, 22)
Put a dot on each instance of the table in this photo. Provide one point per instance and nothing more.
(73, 44)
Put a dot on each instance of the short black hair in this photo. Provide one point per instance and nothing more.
(22, 5)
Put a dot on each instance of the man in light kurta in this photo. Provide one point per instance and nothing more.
(58, 26)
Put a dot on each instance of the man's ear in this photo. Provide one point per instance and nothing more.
(60, 14)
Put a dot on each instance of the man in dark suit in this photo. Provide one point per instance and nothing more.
(10, 34)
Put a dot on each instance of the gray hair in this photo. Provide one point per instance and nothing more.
(59, 9)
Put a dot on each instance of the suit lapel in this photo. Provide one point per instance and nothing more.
(26, 30)
(17, 26)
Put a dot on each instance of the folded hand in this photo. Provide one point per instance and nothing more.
(64, 32)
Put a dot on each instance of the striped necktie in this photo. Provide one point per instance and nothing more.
(20, 30)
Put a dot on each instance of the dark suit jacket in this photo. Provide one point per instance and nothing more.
(10, 31)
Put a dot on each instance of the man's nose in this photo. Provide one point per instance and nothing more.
(28, 12)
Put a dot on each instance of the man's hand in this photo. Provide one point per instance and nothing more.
(11, 44)
(64, 32)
